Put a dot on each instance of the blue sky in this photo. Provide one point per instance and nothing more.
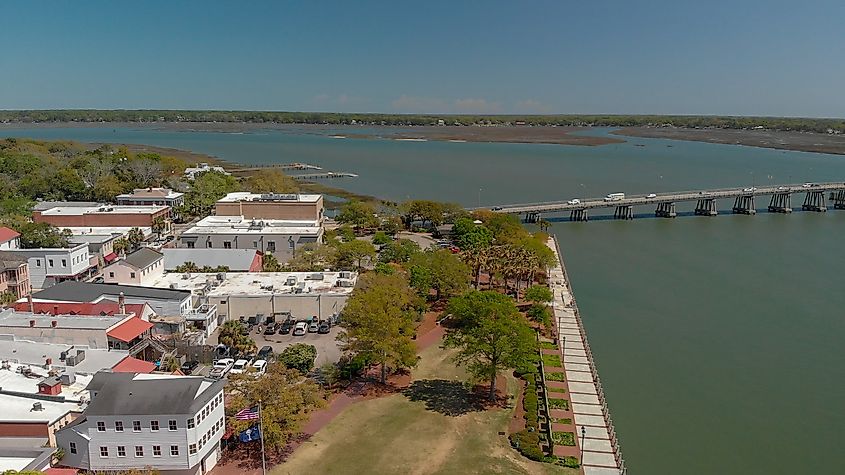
(665, 57)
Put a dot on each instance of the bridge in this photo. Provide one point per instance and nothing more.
(664, 203)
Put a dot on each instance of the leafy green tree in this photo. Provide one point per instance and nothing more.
(271, 181)
(270, 263)
(489, 334)
(37, 235)
(539, 294)
(330, 373)
(187, 267)
(120, 246)
(206, 189)
(444, 272)
(380, 238)
(7, 298)
(399, 251)
(358, 214)
(135, 237)
(354, 254)
(469, 235)
(287, 398)
(384, 268)
(299, 356)
(378, 322)
(231, 335)
(311, 257)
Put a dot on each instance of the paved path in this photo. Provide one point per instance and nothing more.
(599, 457)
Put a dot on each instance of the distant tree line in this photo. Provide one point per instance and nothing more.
(721, 122)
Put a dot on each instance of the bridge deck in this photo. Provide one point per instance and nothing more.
(695, 195)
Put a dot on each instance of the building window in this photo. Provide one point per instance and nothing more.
(50, 262)
(104, 451)
(189, 244)
(192, 449)
(37, 262)
(227, 244)
(191, 423)
(121, 451)
(171, 424)
(255, 244)
(174, 450)
(118, 426)
(64, 262)
(101, 426)
(136, 426)
(111, 275)
(156, 451)
(139, 450)
(208, 244)
(154, 426)
(73, 447)
(271, 246)
(131, 275)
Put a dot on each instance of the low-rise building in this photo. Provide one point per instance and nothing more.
(9, 239)
(48, 266)
(14, 275)
(104, 216)
(235, 295)
(171, 424)
(280, 237)
(152, 196)
(274, 206)
(191, 172)
(138, 268)
(30, 457)
(236, 260)
(77, 359)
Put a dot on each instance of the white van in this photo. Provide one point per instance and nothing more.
(615, 197)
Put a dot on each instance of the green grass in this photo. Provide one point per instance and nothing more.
(548, 345)
(555, 403)
(564, 438)
(554, 376)
(552, 361)
(395, 435)
(561, 420)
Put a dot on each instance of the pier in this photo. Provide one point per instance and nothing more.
(744, 202)
(279, 166)
(314, 176)
(595, 435)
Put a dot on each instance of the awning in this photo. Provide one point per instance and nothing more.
(130, 329)
(110, 257)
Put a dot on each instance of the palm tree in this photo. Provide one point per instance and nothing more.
(543, 224)
(158, 226)
(188, 267)
(135, 237)
(120, 246)
(476, 259)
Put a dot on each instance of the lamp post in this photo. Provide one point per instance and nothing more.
(479, 197)
(583, 434)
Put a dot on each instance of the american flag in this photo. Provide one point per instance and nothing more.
(248, 414)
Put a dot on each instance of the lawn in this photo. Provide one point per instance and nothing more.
(552, 361)
(555, 403)
(431, 428)
(554, 376)
(548, 345)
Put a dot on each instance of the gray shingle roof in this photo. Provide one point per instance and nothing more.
(142, 258)
(10, 260)
(71, 291)
(119, 393)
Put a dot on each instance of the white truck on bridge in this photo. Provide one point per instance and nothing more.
(615, 197)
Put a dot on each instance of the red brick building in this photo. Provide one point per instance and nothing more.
(102, 216)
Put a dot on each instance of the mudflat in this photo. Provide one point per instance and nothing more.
(512, 134)
(783, 140)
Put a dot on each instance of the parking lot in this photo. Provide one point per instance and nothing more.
(327, 346)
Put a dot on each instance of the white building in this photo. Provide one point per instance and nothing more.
(172, 424)
(191, 172)
(47, 266)
(152, 196)
(9, 239)
(139, 268)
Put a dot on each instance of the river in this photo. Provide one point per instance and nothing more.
(718, 340)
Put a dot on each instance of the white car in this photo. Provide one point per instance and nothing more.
(300, 329)
(749, 190)
(239, 367)
(259, 367)
(221, 367)
(576, 201)
(781, 188)
(651, 195)
(808, 185)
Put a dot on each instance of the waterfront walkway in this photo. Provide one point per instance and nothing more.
(601, 452)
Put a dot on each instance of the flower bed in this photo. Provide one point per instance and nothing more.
(564, 438)
(554, 376)
(555, 403)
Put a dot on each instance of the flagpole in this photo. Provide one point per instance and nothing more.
(261, 434)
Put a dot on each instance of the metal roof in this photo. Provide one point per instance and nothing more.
(72, 291)
(234, 259)
(142, 258)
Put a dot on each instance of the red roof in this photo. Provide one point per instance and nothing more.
(7, 234)
(110, 257)
(130, 329)
(61, 471)
(103, 307)
(134, 365)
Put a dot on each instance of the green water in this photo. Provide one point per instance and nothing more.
(718, 340)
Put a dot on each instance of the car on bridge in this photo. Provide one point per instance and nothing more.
(651, 195)
(496, 208)
(749, 190)
(575, 201)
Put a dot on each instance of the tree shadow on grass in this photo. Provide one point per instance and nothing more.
(450, 398)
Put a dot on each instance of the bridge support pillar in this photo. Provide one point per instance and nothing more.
(744, 205)
(623, 212)
(838, 199)
(578, 215)
(665, 210)
(706, 207)
(814, 201)
(531, 217)
(781, 203)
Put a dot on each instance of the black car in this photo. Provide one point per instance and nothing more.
(286, 327)
(271, 329)
(264, 353)
(325, 326)
(188, 367)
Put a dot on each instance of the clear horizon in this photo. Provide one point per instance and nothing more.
(765, 59)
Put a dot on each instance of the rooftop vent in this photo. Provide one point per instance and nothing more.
(37, 406)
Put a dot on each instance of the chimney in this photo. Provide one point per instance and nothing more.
(32, 324)
(121, 303)
(54, 324)
(31, 303)
(55, 309)
(48, 361)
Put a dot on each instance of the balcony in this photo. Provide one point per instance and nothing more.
(202, 313)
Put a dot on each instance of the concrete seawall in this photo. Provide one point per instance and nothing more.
(601, 451)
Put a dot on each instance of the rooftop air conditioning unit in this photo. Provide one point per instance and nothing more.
(314, 277)
(221, 276)
(68, 378)
(345, 275)
(37, 406)
(291, 280)
(174, 286)
(345, 283)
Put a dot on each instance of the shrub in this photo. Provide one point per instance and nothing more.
(564, 438)
(548, 345)
(528, 444)
(554, 376)
(381, 238)
(552, 360)
(555, 403)
(568, 461)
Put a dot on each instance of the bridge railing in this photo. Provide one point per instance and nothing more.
(573, 304)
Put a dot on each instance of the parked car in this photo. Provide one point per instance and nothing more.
(324, 328)
(259, 367)
(188, 367)
(271, 329)
(749, 189)
(221, 367)
(265, 352)
(286, 327)
(239, 367)
(300, 329)
(314, 326)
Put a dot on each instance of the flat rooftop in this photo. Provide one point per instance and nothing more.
(102, 233)
(36, 353)
(259, 283)
(241, 225)
(10, 318)
(110, 209)
(151, 194)
(14, 380)
(270, 197)
(20, 409)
